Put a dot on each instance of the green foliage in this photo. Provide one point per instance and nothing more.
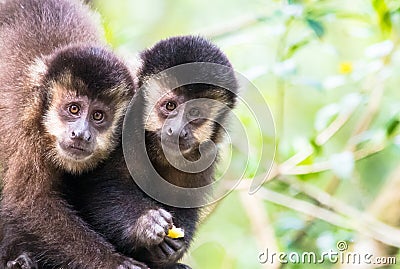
(392, 126)
(316, 26)
(384, 16)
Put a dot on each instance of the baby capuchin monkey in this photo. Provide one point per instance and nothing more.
(63, 95)
(112, 203)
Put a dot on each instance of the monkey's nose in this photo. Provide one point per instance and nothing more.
(81, 135)
(87, 137)
(183, 134)
(170, 131)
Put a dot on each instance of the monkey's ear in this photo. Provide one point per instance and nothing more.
(37, 72)
(134, 63)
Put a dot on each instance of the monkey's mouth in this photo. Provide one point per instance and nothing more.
(174, 147)
(76, 151)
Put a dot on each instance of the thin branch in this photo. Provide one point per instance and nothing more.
(385, 236)
(296, 159)
(259, 221)
(372, 110)
(366, 152)
(308, 169)
(324, 136)
(304, 207)
(326, 165)
(342, 207)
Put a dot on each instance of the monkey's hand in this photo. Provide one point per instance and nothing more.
(167, 253)
(152, 227)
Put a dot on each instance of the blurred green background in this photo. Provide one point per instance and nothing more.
(330, 73)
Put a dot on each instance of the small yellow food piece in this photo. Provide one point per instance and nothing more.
(176, 232)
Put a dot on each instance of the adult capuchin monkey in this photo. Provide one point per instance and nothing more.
(111, 202)
(62, 97)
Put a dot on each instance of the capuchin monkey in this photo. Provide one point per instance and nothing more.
(63, 95)
(112, 203)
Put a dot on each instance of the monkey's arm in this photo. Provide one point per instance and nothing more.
(38, 221)
(119, 210)
(136, 224)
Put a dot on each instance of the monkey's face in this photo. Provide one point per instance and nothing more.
(85, 93)
(81, 130)
(180, 123)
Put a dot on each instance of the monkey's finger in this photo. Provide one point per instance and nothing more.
(158, 253)
(167, 249)
(166, 215)
(175, 244)
(162, 221)
(154, 236)
(159, 230)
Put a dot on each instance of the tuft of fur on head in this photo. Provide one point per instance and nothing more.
(104, 75)
(180, 50)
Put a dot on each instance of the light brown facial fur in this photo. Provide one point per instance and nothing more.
(210, 110)
(58, 126)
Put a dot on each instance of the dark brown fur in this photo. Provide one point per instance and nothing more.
(111, 201)
(48, 47)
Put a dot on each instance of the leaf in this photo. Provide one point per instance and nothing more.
(379, 5)
(295, 47)
(317, 148)
(384, 16)
(316, 26)
(387, 21)
(392, 126)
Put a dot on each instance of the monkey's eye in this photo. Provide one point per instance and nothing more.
(73, 109)
(170, 105)
(98, 115)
